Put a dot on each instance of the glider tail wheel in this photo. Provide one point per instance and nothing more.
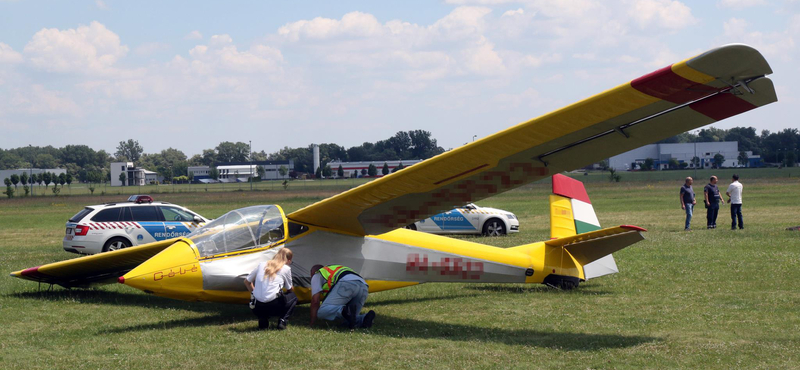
(561, 282)
(494, 227)
(115, 244)
(411, 227)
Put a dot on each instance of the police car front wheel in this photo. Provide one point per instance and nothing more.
(115, 244)
(494, 227)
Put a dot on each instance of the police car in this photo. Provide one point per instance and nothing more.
(470, 219)
(140, 220)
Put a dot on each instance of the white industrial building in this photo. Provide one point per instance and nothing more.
(360, 168)
(683, 153)
(241, 171)
(134, 176)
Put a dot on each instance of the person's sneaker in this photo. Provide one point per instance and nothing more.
(687, 229)
(368, 319)
(349, 317)
(281, 324)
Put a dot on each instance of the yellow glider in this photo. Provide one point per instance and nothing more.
(362, 227)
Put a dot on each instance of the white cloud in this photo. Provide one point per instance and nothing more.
(740, 4)
(779, 44)
(8, 55)
(87, 49)
(38, 100)
(101, 5)
(151, 48)
(667, 14)
(222, 53)
(194, 35)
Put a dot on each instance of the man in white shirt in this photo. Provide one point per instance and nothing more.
(735, 199)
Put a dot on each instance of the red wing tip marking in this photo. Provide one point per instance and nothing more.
(30, 272)
(121, 280)
(631, 227)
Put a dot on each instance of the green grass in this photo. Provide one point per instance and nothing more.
(715, 299)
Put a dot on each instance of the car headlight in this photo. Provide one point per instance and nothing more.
(510, 216)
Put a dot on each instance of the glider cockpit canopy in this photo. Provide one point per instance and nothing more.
(240, 230)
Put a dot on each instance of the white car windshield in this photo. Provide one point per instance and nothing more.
(240, 229)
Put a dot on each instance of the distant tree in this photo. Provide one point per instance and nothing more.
(282, 170)
(24, 179)
(372, 170)
(293, 174)
(633, 166)
(340, 171)
(122, 178)
(26, 189)
(613, 176)
(232, 152)
(695, 162)
(603, 165)
(318, 173)
(129, 150)
(62, 179)
(190, 176)
(398, 168)
(385, 169)
(327, 171)
(214, 173)
(46, 177)
(364, 171)
(791, 159)
(743, 159)
(9, 191)
(719, 159)
(68, 179)
(261, 171)
(684, 165)
(673, 164)
(7, 181)
(15, 180)
(648, 164)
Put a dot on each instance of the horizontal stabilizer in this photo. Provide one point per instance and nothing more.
(595, 245)
(102, 268)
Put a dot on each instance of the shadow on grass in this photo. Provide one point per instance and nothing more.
(98, 296)
(419, 300)
(396, 327)
(542, 289)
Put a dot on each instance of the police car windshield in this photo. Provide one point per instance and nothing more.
(238, 230)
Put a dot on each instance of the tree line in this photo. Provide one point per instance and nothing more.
(88, 165)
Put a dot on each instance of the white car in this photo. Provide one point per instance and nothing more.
(470, 219)
(112, 226)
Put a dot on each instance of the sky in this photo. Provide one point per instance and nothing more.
(191, 74)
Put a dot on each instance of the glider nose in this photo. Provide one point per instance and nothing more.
(173, 273)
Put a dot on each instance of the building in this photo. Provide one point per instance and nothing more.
(357, 167)
(241, 171)
(134, 176)
(6, 174)
(683, 153)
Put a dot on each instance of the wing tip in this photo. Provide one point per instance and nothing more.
(632, 227)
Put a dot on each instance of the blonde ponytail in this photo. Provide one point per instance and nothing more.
(276, 263)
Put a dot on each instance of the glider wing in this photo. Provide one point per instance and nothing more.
(715, 85)
(102, 268)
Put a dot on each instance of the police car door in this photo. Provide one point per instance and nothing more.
(456, 222)
(149, 226)
(176, 221)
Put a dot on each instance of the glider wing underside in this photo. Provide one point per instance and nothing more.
(715, 85)
(99, 268)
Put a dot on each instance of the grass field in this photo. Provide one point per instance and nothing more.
(710, 299)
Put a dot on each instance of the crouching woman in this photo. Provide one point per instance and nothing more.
(266, 283)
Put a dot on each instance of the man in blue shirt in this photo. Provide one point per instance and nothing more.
(687, 202)
(713, 200)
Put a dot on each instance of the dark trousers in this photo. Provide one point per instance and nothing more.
(711, 214)
(736, 212)
(281, 307)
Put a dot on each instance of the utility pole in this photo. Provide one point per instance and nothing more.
(250, 156)
(30, 147)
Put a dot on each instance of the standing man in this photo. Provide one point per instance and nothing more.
(735, 199)
(687, 202)
(341, 292)
(713, 199)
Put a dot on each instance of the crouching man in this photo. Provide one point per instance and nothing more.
(338, 292)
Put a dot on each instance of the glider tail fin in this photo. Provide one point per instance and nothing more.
(571, 213)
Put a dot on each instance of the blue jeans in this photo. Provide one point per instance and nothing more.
(689, 208)
(351, 293)
(736, 212)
